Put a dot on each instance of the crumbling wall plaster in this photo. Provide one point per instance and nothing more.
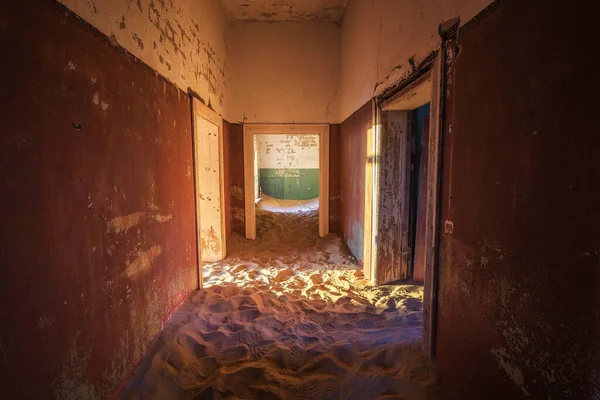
(288, 151)
(518, 300)
(288, 10)
(183, 40)
(383, 41)
(288, 165)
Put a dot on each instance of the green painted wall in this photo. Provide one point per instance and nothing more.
(290, 184)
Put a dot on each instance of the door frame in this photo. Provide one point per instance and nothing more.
(433, 70)
(286, 129)
(200, 110)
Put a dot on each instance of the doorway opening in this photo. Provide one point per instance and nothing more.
(286, 174)
(418, 190)
(286, 169)
(402, 223)
(209, 187)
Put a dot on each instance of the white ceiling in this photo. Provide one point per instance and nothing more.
(286, 10)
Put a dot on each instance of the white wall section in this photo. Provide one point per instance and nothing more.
(183, 40)
(288, 151)
(284, 72)
(380, 36)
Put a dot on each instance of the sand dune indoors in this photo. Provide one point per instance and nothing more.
(289, 316)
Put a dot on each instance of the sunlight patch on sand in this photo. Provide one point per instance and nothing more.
(289, 316)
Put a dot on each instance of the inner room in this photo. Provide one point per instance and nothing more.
(286, 172)
(299, 199)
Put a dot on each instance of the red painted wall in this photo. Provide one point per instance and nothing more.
(353, 148)
(519, 298)
(97, 235)
(236, 177)
(227, 177)
(335, 223)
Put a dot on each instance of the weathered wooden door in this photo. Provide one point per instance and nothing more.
(209, 188)
(392, 216)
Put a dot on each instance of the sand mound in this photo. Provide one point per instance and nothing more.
(289, 316)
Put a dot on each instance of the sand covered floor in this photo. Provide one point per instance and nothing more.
(289, 316)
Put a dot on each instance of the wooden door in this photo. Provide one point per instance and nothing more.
(393, 170)
(209, 187)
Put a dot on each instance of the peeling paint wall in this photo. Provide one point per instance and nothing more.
(353, 149)
(284, 72)
(382, 40)
(288, 151)
(519, 305)
(288, 10)
(183, 40)
(97, 235)
(288, 166)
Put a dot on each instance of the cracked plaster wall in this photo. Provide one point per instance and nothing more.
(380, 36)
(183, 40)
(518, 302)
(284, 72)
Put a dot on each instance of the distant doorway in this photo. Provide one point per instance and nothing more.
(287, 166)
(286, 163)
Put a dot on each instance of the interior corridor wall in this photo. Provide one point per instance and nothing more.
(97, 231)
(183, 40)
(235, 167)
(519, 305)
(353, 150)
(288, 166)
(335, 218)
(284, 72)
(382, 39)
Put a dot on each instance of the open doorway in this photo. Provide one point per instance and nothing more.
(418, 189)
(209, 187)
(286, 175)
(401, 217)
(286, 166)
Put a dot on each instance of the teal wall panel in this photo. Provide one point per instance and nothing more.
(290, 184)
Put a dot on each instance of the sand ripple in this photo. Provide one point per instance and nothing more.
(289, 316)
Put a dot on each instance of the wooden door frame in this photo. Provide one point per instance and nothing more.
(286, 129)
(434, 72)
(371, 196)
(199, 109)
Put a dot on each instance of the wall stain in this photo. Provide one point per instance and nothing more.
(175, 40)
(210, 241)
(143, 261)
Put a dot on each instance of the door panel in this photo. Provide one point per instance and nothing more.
(393, 252)
(209, 189)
